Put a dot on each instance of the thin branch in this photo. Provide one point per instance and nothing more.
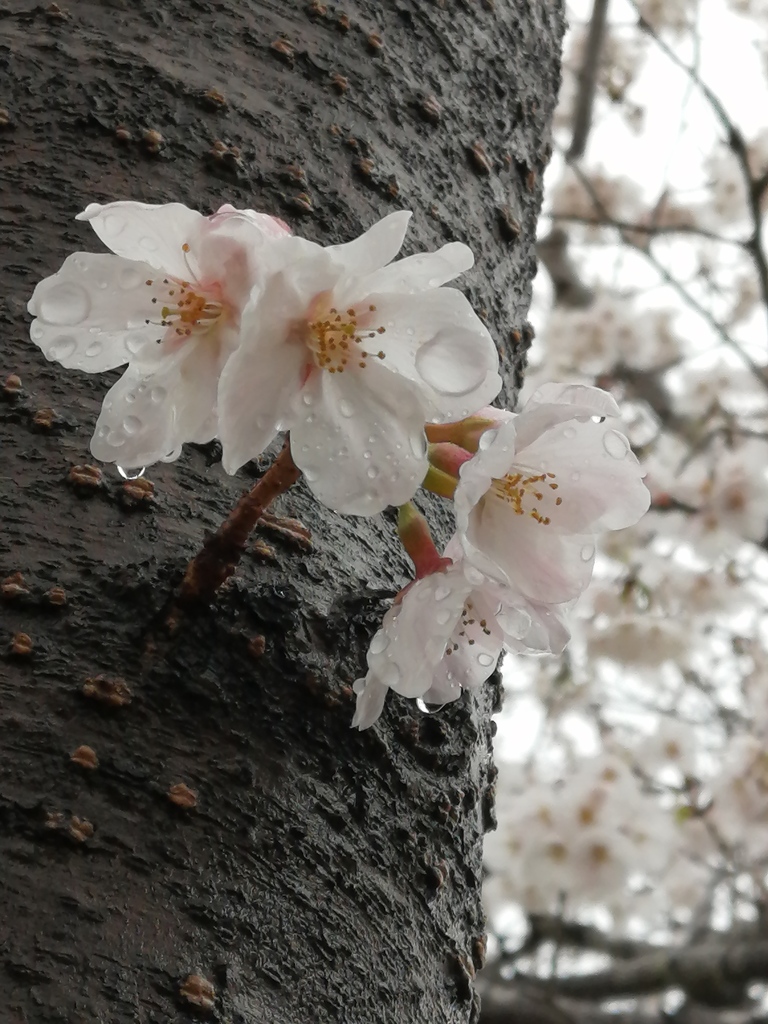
(652, 230)
(218, 559)
(738, 146)
(590, 68)
(671, 280)
(714, 974)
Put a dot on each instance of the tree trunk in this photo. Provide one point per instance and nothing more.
(307, 872)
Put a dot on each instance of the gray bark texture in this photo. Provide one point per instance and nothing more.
(313, 873)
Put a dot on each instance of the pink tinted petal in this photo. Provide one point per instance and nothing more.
(475, 644)
(91, 314)
(155, 407)
(371, 693)
(262, 378)
(142, 231)
(271, 227)
(404, 655)
(359, 439)
(598, 477)
(493, 460)
(375, 247)
(421, 272)
(436, 340)
(234, 250)
(590, 400)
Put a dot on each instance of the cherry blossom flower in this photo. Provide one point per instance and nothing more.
(530, 504)
(353, 354)
(167, 301)
(446, 634)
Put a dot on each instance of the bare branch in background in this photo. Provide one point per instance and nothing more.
(738, 146)
(582, 119)
(714, 974)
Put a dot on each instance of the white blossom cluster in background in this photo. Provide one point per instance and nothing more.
(233, 328)
(633, 788)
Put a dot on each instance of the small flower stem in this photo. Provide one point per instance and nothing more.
(219, 556)
(416, 538)
(439, 482)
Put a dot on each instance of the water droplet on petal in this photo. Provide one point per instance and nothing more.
(486, 660)
(130, 277)
(575, 475)
(346, 408)
(449, 364)
(372, 472)
(94, 349)
(389, 674)
(379, 643)
(65, 305)
(587, 552)
(486, 439)
(428, 709)
(366, 455)
(36, 331)
(308, 398)
(443, 616)
(62, 348)
(311, 475)
(418, 445)
(442, 592)
(131, 425)
(134, 341)
(130, 474)
(473, 575)
(148, 243)
(569, 432)
(615, 444)
(158, 394)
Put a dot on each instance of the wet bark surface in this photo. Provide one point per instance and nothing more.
(196, 804)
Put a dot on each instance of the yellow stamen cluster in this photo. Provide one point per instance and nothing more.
(333, 340)
(184, 309)
(515, 487)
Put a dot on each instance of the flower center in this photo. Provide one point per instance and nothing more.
(185, 308)
(522, 492)
(337, 339)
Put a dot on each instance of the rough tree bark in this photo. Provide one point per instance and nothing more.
(320, 875)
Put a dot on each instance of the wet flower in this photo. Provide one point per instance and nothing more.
(530, 504)
(167, 301)
(446, 632)
(353, 354)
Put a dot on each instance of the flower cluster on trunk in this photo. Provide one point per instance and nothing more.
(233, 328)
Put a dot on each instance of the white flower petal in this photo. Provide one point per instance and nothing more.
(375, 247)
(370, 701)
(598, 477)
(436, 340)
(157, 405)
(91, 314)
(142, 231)
(262, 378)
(359, 439)
(494, 459)
(420, 272)
(594, 401)
(544, 566)
(406, 651)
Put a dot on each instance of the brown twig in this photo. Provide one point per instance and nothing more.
(219, 556)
